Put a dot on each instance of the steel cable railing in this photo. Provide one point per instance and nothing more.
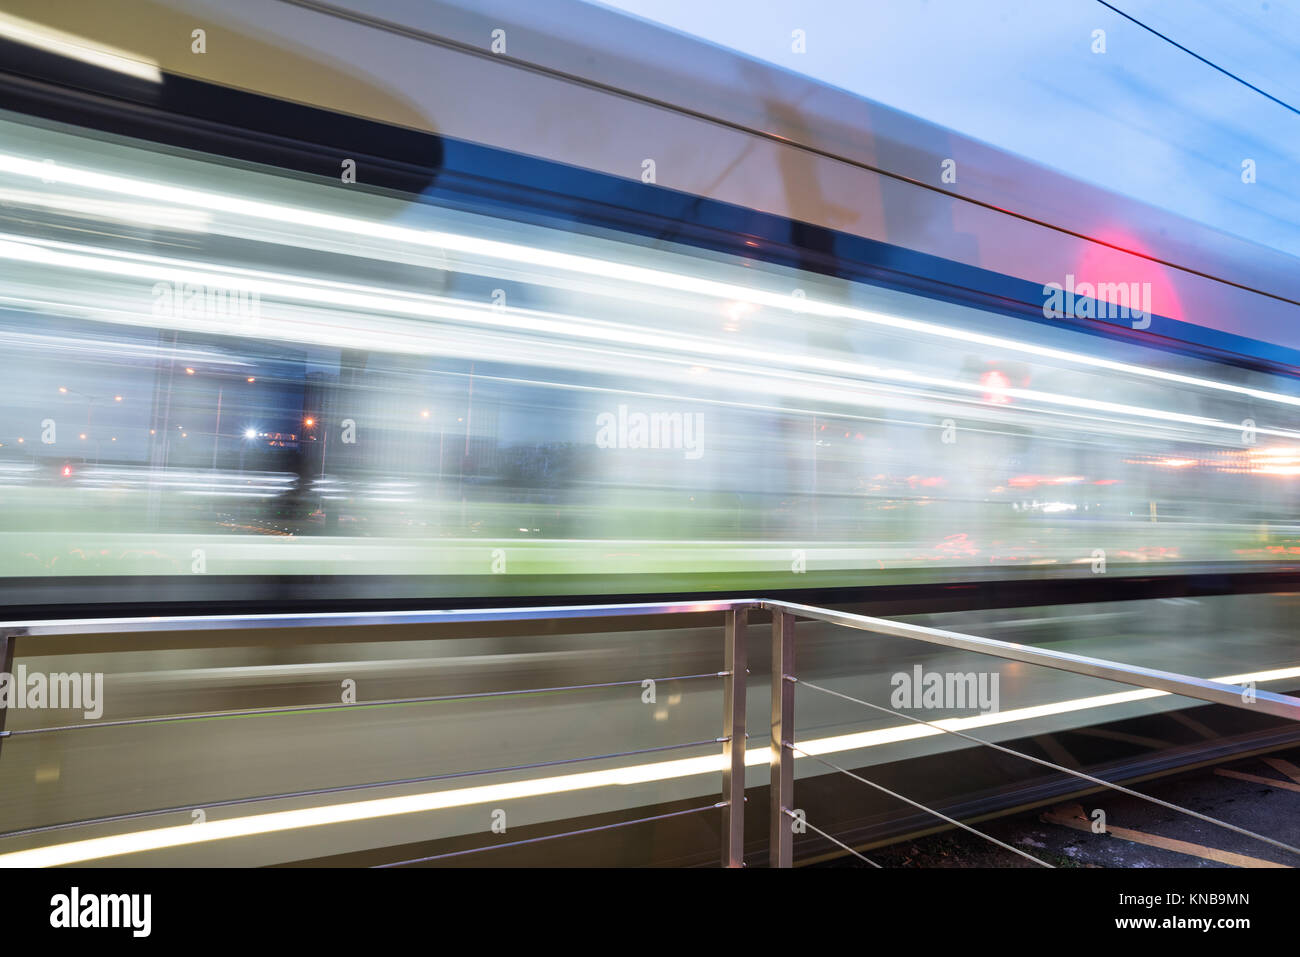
(783, 746)
(1057, 767)
(834, 840)
(916, 804)
(784, 681)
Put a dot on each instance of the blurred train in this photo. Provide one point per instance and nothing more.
(361, 304)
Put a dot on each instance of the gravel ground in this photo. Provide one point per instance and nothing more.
(1271, 811)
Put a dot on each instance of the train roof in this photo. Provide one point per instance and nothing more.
(581, 87)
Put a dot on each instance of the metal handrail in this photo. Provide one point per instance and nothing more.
(51, 627)
(1217, 692)
(1282, 706)
(784, 679)
(733, 680)
(734, 675)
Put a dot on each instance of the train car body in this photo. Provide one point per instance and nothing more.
(392, 303)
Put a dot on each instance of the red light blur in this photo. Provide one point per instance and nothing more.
(995, 384)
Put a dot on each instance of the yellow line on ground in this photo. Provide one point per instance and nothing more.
(1074, 817)
(1286, 767)
(1256, 779)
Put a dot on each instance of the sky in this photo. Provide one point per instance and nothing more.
(1143, 119)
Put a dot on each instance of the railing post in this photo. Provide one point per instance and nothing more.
(7, 642)
(733, 731)
(781, 834)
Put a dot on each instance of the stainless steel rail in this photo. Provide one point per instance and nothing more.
(734, 677)
(1275, 704)
(784, 680)
(733, 683)
(112, 626)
